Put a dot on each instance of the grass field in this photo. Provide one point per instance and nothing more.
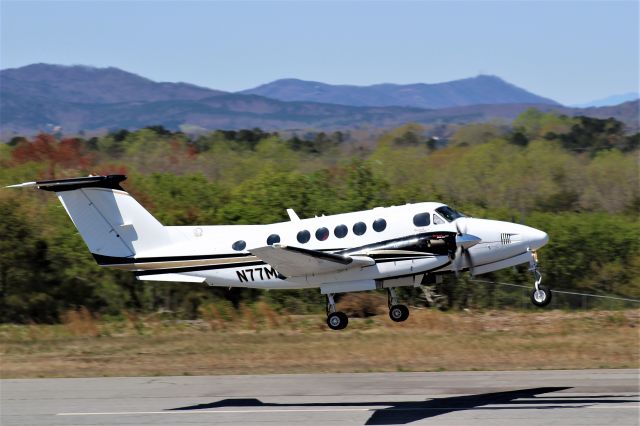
(259, 341)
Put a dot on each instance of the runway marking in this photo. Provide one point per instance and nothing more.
(127, 413)
(324, 410)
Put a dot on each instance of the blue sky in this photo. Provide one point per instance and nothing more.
(571, 51)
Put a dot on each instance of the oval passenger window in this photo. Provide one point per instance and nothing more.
(379, 225)
(239, 245)
(359, 228)
(322, 234)
(273, 239)
(341, 231)
(304, 237)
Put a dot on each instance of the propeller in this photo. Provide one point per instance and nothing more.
(464, 242)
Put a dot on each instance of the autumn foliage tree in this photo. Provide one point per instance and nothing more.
(68, 154)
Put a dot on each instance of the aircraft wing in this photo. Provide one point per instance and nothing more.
(295, 261)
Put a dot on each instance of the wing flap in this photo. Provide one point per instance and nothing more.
(295, 261)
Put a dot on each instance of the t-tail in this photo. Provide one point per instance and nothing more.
(111, 222)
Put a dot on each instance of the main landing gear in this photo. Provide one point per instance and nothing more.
(397, 312)
(336, 320)
(540, 295)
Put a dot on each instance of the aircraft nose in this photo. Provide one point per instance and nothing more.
(535, 238)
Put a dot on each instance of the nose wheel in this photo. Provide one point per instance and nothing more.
(540, 295)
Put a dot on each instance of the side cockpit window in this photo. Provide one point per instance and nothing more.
(448, 213)
(437, 220)
(422, 219)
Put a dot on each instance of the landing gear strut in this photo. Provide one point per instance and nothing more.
(540, 295)
(397, 312)
(335, 320)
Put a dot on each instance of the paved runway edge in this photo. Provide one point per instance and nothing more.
(580, 397)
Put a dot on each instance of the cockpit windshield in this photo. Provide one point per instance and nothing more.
(448, 213)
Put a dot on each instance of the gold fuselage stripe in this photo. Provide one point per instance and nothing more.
(149, 266)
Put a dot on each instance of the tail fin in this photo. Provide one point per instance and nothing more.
(110, 221)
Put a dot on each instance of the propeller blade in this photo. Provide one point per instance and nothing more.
(464, 242)
(457, 261)
(469, 260)
(457, 222)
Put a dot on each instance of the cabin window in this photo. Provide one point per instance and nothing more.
(437, 220)
(359, 228)
(273, 239)
(379, 225)
(304, 236)
(421, 219)
(341, 231)
(322, 234)
(239, 245)
(448, 213)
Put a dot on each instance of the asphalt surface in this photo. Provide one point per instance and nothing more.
(575, 397)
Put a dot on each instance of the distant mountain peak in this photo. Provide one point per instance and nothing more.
(480, 89)
(88, 84)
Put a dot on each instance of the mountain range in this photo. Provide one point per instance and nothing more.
(483, 89)
(40, 97)
(611, 100)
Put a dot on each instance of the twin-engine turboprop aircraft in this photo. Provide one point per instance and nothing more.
(382, 248)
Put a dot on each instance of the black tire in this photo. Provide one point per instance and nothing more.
(398, 313)
(541, 297)
(337, 320)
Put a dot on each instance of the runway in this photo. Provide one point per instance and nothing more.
(572, 397)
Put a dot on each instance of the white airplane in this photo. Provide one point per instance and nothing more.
(381, 248)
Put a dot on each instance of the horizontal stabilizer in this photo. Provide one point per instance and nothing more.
(296, 262)
(60, 185)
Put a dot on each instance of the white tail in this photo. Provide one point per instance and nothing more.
(110, 221)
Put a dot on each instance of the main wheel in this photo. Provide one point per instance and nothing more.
(337, 320)
(398, 313)
(541, 297)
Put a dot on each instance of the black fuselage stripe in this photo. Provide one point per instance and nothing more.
(108, 260)
(236, 265)
(112, 260)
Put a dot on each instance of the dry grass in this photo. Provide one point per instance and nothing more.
(260, 341)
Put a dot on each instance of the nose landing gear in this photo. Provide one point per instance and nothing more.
(540, 295)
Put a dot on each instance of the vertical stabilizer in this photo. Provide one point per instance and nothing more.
(110, 221)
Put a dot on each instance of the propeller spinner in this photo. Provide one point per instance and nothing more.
(464, 242)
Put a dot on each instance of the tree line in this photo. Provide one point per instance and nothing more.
(574, 177)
